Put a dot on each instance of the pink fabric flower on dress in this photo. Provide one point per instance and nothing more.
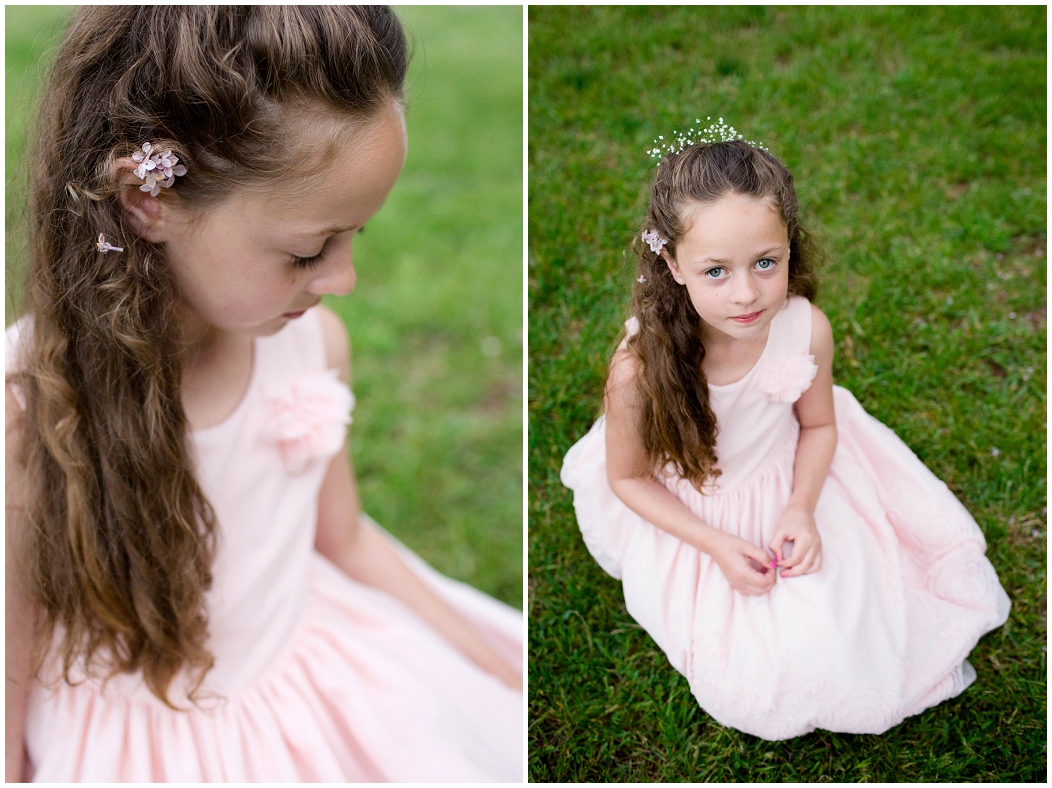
(785, 382)
(309, 418)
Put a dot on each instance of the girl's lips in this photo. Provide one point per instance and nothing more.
(301, 312)
(744, 319)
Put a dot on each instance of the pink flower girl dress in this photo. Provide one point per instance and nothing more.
(316, 677)
(880, 632)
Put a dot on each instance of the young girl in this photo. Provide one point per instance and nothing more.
(192, 591)
(792, 557)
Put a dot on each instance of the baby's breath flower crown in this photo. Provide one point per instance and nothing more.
(715, 132)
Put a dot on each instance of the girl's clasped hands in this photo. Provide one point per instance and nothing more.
(796, 546)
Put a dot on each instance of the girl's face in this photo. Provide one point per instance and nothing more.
(257, 259)
(734, 261)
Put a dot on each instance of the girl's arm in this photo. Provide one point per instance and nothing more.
(367, 557)
(814, 455)
(18, 609)
(744, 564)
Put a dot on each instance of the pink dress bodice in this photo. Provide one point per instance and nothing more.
(267, 512)
(759, 422)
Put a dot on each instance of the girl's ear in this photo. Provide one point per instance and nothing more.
(145, 213)
(673, 268)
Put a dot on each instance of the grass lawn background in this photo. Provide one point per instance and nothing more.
(916, 136)
(436, 320)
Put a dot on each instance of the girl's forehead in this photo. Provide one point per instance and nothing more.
(734, 214)
(318, 140)
(731, 202)
(345, 192)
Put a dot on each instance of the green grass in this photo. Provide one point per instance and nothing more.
(916, 136)
(436, 320)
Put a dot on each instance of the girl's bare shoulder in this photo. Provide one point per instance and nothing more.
(14, 436)
(623, 377)
(624, 366)
(337, 343)
(821, 334)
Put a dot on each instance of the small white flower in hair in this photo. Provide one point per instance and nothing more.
(104, 247)
(642, 279)
(156, 170)
(715, 132)
(655, 240)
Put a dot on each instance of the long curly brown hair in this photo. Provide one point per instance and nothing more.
(121, 539)
(677, 425)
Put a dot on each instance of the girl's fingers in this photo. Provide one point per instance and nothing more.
(752, 589)
(811, 561)
(793, 565)
(756, 581)
(803, 547)
(799, 554)
(758, 555)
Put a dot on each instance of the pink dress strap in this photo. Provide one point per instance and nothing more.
(788, 367)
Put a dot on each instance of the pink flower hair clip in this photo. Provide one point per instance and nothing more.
(103, 246)
(156, 170)
(654, 240)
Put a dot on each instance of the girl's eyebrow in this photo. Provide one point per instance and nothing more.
(312, 232)
(326, 231)
(720, 261)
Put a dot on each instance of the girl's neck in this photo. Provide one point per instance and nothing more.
(720, 343)
(727, 360)
(197, 338)
(216, 371)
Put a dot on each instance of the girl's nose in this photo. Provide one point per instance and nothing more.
(344, 279)
(336, 278)
(746, 292)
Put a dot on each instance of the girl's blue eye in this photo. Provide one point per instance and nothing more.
(766, 264)
(714, 273)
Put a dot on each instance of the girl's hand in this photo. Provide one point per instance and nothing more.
(797, 525)
(746, 566)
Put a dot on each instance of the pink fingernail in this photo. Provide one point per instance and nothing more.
(774, 564)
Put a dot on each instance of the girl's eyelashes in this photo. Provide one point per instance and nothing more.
(308, 262)
(719, 272)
